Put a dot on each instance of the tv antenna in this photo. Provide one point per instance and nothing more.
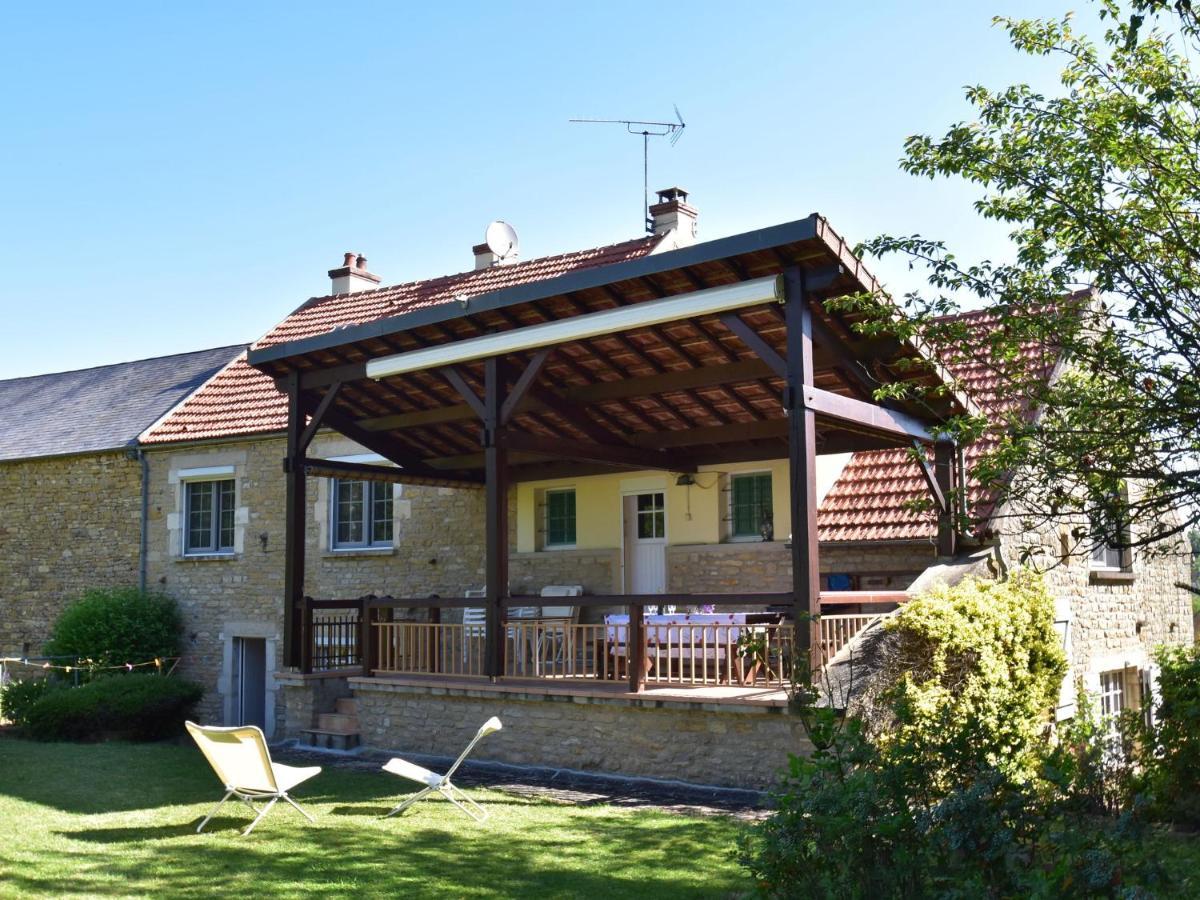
(673, 130)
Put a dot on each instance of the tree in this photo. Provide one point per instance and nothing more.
(1094, 326)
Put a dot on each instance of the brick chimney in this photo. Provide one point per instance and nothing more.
(671, 216)
(353, 276)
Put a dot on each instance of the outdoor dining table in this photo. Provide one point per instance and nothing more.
(687, 637)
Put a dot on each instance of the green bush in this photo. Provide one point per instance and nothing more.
(1169, 748)
(956, 791)
(975, 670)
(137, 707)
(114, 626)
(18, 697)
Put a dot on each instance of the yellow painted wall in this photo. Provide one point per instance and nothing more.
(694, 514)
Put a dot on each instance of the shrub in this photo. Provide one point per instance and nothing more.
(138, 707)
(975, 670)
(1170, 747)
(18, 697)
(114, 626)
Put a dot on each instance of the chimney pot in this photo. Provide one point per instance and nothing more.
(352, 276)
(673, 217)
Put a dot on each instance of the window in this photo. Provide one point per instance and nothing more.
(560, 518)
(209, 516)
(750, 502)
(1111, 552)
(362, 514)
(651, 516)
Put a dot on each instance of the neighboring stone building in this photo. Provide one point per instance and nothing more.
(71, 482)
(216, 506)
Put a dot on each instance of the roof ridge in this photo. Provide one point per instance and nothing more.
(131, 362)
(450, 276)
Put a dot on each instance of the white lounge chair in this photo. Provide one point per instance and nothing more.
(240, 758)
(441, 783)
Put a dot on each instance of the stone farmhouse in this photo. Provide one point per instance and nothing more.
(72, 480)
(367, 506)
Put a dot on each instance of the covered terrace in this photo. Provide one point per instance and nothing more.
(719, 352)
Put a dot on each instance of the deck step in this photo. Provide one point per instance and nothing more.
(336, 722)
(346, 706)
(330, 740)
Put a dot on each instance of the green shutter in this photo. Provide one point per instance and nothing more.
(560, 518)
(751, 503)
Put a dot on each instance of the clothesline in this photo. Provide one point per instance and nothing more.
(87, 664)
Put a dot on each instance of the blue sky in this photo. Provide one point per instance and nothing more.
(180, 176)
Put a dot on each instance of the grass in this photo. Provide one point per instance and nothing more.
(118, 820)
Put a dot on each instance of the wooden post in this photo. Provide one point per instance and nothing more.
(802, 470)
(496, 469)
(364, 635)
(306, 636)
(294, 522)
(635, 648)
(943, 470)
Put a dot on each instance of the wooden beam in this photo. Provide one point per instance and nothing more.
(496, 512)
(294, 528)
(523, 383)
(456, 380)
(716, 434)
(930, 477)
(318, 416)
(802, 471)
(380, 443)
(754, 341)
(329, 468)
(620, 457)
(599, 392)
(575, 415)
(867, 416)
(943, 466)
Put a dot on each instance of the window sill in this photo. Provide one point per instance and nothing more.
(1110, 576)
(357, 551)
(207, 557)
(554, 548)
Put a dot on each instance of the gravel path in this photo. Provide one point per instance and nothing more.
(561, 785)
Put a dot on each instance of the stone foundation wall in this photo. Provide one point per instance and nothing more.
(301, 698)
(69, 524)
(599, 571)
(734, 746)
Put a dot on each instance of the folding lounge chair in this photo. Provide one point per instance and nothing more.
(441, 783)
(239, 757)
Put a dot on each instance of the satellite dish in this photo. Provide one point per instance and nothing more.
(501, 239)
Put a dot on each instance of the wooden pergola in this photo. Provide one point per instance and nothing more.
(719, 352)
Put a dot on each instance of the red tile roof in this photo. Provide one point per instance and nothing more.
(870, 501)
(241, 400)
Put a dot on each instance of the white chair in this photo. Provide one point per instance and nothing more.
(474, 624)
(558, 629)
(240, 758)
(441, 783)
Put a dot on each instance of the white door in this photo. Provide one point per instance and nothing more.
(645, 524)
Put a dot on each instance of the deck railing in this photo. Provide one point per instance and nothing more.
(756, 654)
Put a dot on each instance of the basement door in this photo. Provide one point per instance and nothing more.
(250, 681)
(645, 529)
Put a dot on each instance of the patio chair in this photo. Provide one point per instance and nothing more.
(441, 783)
(240, 759)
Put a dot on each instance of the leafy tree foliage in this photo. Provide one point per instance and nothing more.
(115, 626)
(1099, 183)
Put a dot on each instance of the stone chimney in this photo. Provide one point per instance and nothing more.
(671, 216)
(353, 276)
(485, 257)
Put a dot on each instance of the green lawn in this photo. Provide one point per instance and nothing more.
(120, 820)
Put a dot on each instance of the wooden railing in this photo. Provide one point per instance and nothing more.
(365, 634)
(837, 631)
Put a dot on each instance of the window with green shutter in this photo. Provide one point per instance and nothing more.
(750, 502)
(560, 518)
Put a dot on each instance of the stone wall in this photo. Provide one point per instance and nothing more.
(599, 571)
(438, 550)
(766, 566)
(302, 698)
(68, 524)
(738, 745)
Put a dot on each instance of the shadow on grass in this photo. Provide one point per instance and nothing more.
(600, 857)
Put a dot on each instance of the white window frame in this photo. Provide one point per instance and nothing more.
(216, 476)
(368, 522)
